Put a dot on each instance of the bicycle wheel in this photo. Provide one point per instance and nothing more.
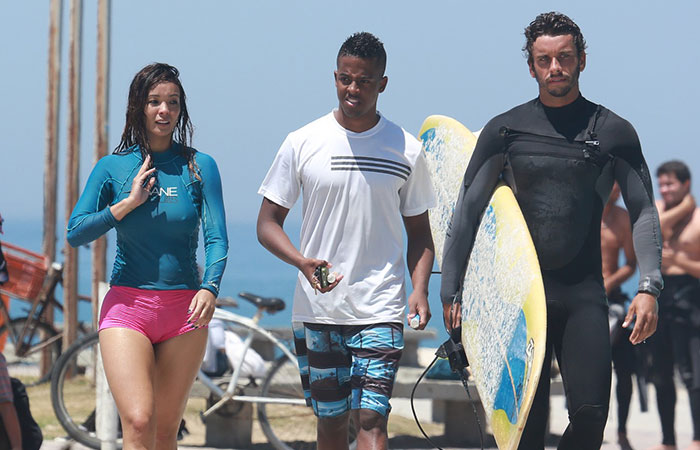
(43, 333)
(73, 390)
(289, 426)
(286, 426)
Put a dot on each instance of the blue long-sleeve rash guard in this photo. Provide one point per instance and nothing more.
(157, 241)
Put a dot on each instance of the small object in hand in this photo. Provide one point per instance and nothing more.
(332, 277)
(415, 322)
(321, 274)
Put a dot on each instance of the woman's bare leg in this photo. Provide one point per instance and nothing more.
(129, 363)
(177, 362)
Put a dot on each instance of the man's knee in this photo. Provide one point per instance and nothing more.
(589, 419)
(334, 424)
(370, 420)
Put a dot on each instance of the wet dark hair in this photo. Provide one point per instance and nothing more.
(674, 167)
(135, 127)
(366, 46)
(552, 24)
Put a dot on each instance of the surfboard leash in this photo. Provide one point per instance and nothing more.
(413, 409)
(453, 351)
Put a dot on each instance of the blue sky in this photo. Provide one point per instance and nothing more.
(254, 71)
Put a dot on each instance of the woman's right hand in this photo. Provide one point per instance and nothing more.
(140, 191)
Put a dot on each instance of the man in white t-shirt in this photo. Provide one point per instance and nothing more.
(363, 180)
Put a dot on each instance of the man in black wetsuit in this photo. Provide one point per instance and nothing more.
(560, 154)
(677, 341)
(616, 236)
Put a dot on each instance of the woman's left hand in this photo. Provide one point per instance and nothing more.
(202, 308)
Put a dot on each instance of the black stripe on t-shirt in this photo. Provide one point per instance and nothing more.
(370, 164)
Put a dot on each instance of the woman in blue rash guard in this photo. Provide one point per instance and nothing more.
(155, 190)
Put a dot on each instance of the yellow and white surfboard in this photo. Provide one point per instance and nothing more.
(504, 316)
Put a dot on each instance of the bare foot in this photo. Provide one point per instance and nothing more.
(663, 447)
(623, 441)
(694, 445)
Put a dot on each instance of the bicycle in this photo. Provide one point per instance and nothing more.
(285, 420)
(33, 280)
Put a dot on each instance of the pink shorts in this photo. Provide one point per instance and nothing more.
(158, 315)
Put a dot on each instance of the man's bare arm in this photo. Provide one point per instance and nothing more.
(622, 229)
(272, 236)
(9, 418)
(419, 258)
(670, 217)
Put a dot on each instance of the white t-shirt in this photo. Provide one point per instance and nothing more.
(355, 188)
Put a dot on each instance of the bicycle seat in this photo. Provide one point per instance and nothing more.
(227, 301)
(272, 304)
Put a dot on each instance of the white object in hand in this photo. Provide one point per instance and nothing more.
(331, 277)
(415, 322)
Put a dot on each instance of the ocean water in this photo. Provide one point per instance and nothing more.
(250, 268)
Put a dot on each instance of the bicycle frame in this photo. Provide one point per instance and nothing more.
(229, 394)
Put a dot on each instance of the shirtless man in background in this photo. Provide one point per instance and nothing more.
(679, 303)
(616, 235)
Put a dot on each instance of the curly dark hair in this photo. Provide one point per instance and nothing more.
(674, 167)
(366, 46)
(135, 127)
(552, 24)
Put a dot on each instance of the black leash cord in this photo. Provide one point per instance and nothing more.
(413, 409)
(463, 376)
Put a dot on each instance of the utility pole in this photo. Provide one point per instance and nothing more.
(99, 249)
(70, 268)
(48, 246)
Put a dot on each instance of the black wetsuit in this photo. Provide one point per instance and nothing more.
(561, 164)
(677, 340)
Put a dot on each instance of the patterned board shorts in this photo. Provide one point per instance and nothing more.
(347, 367)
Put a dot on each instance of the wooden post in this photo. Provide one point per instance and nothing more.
(99, 249)
(70, 268)
(48, 246)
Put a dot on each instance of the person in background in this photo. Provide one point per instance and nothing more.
(363, 180)
(156, 191)
(677, 342)
(8, 413)
(616, 236)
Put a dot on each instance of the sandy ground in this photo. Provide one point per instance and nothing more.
(644, 430)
